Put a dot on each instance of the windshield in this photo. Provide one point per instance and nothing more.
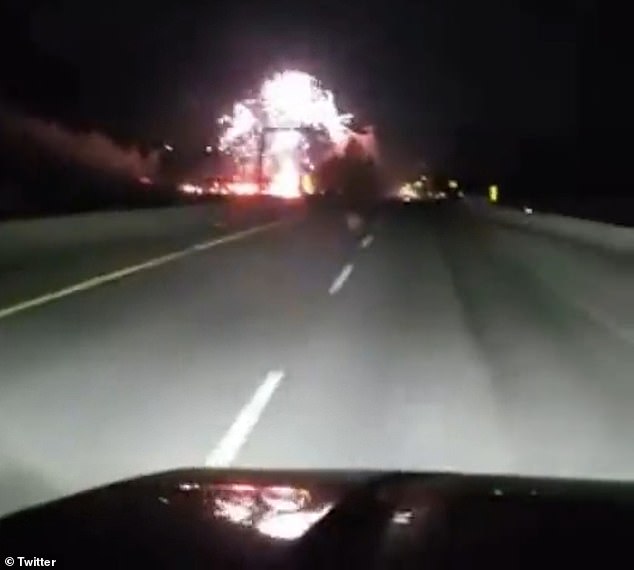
(305, 236)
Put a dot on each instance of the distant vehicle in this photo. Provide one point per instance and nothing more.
(247, 519)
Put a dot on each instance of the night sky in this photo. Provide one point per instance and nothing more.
(459, 84)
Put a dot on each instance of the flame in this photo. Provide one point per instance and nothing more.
(308, 185)
(188, 188)
(286, 181)
(242, 188)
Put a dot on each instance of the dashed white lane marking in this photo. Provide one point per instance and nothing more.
(120, 273)
(231, 443)
(337, 284)
(367, 241)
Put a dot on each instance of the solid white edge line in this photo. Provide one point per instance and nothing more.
(337, 284)
(600, 318)
(120, 273)
(367, 241)
(227, 449)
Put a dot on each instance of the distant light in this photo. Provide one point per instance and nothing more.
(494, 193)
(453, 184)
(188, 188)
(528, 210)
(168, 147)
(407, 193)
(418, 184)
(402, 517)
(145, 180)
(209, 149)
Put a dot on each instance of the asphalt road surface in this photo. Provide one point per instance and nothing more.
(443, 341)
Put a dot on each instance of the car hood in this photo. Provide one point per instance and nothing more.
(327, 519)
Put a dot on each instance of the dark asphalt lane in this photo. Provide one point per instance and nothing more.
(453, 343)
(40, 256)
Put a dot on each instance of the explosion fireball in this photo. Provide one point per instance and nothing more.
(278, 124)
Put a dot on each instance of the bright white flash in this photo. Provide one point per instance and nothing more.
(287, 105)
(295, 99)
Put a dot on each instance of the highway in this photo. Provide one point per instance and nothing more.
(442, 341)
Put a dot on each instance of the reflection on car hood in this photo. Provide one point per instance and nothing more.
(248, 519)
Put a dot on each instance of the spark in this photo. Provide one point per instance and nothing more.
(288, 105)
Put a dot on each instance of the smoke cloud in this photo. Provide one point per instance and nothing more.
(364, 142)
(91, 149)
